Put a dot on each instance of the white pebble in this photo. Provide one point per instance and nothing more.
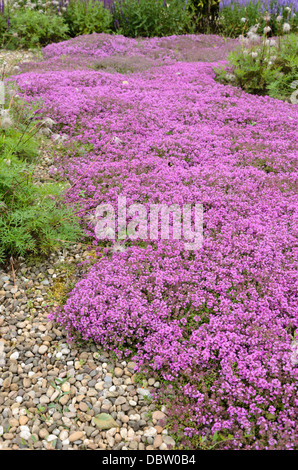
(63, 435)
(25, 432)
(65, 351)
(15, 355)
(150, 432)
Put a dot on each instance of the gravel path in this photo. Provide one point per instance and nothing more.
(53, 395)
(59, 396)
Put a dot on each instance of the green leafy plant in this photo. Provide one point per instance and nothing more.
(149, 18)
(269, 67)
(86, 17)
(33, 218)
(31, 29)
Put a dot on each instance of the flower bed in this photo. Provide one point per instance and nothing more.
(217, 323)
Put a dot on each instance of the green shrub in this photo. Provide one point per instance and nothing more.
(31, 29)
(33, 218)
(86, 17)
(151, 18)
(267, 68)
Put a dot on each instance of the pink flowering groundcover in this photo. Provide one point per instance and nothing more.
(217, 324)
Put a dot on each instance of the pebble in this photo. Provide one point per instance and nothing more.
(76, 436)
(43, 349)
(15, 356)
(25, 432)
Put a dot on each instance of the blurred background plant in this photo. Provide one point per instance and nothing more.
(34, 23)
(43, 6)
(238, 16)
(86, 17)
(206, 15)
(151, 18)
(31, 29)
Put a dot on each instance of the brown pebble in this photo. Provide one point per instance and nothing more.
(75, 436)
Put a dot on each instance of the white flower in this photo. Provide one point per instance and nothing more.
(286, 27)
(253, 37)
(243, 20)
(278, 18)
(5, 120)
(254, 29)
(48, 122)
(288, 9)
(272, 42)
(267, 17)
(254, 55)
(267, 29)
